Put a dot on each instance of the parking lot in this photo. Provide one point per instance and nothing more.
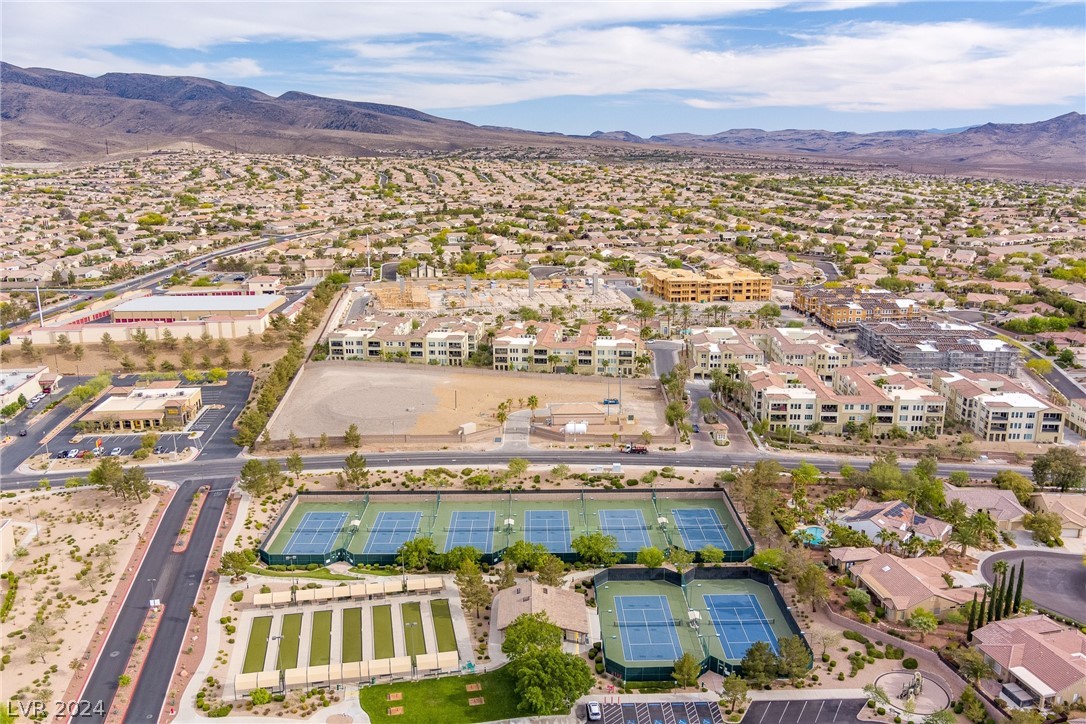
(804, 711)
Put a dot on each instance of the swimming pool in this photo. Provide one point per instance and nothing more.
(813, 535)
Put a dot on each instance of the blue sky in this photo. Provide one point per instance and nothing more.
(576, 67)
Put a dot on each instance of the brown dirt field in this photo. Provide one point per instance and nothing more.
(69, 524)
(421, 400)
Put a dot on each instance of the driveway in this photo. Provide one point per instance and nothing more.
(804, 711)
(1055, 581)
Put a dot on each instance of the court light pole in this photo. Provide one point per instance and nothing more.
(279, 661)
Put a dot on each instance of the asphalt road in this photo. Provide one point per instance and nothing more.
(177, 578)
(804, 711)
(1055, 581)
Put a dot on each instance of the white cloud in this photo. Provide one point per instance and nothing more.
(460, 55)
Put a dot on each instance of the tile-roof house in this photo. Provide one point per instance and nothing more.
(1001, 505)
(903, 585)
(565, 608)
(1070, 507)
(845, 558)
(872, 517)
(1046, 658)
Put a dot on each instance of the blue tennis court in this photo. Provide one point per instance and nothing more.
(315, 535)
(391, 530)
(700, 527)
(647, 628)
(739, 621)
(550, 528)
(471, 528)
(628, 527)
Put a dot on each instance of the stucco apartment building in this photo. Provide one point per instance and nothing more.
(604, 349)
(1036, 656)
(903, 585)
(790, 397)
(444, 341)
(710, 348)
(996, 409)
(715, 285)
(846, 307)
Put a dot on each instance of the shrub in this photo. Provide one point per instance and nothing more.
(910, 663)
(236, 596)
(857, 637)
(881, 710)
(870, 703)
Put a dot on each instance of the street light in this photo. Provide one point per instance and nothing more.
(152, 581)
(279, 662)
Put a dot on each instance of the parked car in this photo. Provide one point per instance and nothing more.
(115, 452)
(74, 452)
(60, 455)
(159, 450)
(595, 711)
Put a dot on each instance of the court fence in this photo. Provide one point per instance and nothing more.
(708, 662)
(504, 501)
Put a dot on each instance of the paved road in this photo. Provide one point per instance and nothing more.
(1055, 581)
(665, 355)
(177, 579)
(807, 711)
(20, 448)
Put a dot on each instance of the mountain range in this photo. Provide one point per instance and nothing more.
(51, 115)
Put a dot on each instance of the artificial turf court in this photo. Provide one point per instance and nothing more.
(370, 528)
(257, 648)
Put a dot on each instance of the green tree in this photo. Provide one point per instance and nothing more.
(134, 482)
(711, 554)
(351, 436)
(108, 475)
(972, 707)
(1018, 587)
(597, 549)
(1019, 484)
(415, 554)
(734, 690)
(812, 586)
(1046, 527)
(522, 554)
(972, 664)
(1039, 366)
(517, 467)
(295, 464)
(795, 658)
(260, 477)
(235, 564)
(531, 632)
(508, 576)
(550, 570)
(680, 558)
(1008, 595)
(473, 589)
(1061, 467)
(924, 621)
(650, 557)
(687, 670)
(548, 681)
(354, 469)
(759, 665)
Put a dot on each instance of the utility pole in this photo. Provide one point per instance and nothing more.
(41, 317)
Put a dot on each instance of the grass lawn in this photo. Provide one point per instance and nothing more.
(352, 635)
(412, 628)
(257, 648)
(320, 641)
(443, 700)
(291, 641)
(443, 626)
(383, 647)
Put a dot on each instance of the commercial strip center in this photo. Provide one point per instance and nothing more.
(647, 617)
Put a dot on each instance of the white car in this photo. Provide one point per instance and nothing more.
(595, 711)
(115, 452)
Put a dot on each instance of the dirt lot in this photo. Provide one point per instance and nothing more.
(405, 399)
(98, 359)
(87, 533)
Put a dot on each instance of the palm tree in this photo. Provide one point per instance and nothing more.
(887, 539)
(553, 360)
(965, 535)
(533, 403)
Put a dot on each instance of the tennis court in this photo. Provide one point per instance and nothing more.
(391, 530)
(739, 621)
(315, 534)
(471, 528)
(550, 528)
(627, 526)
(700, 527)
(647, 628)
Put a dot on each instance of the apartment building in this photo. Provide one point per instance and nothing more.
(710, 348)
(847, 307)
(602, 349)
(1076, 415)
(715, 285)
(882, 397)
(996, 409)
(925, 346)
(445, 341)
